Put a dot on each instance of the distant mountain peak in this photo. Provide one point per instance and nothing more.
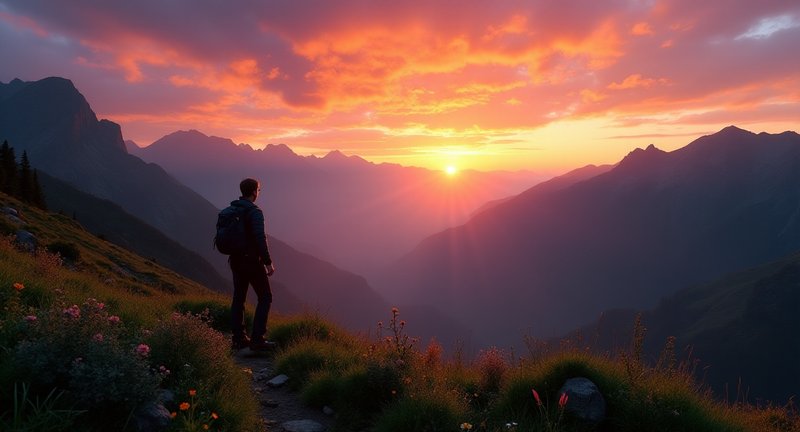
(279, 149)
(641, 158)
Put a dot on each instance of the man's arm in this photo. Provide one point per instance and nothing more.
(260, 236)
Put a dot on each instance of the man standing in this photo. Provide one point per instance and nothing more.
(252, 267)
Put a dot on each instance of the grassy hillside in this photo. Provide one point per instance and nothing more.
(89, 340)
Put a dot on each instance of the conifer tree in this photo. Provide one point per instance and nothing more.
(25, 188)
(9, 162)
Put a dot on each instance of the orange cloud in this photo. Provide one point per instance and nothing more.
(636, 81)
(642, 29)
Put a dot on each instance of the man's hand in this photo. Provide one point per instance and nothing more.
(270, 269)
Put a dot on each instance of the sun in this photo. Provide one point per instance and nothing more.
(451, 170)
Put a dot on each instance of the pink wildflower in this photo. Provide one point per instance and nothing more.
(562, 401)
(143, 350)
(101, 305)
(113, 319)
(73, 311)
(98, 337)
(31, 318)
(536, 396)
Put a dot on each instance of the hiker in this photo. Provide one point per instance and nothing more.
(252, 266)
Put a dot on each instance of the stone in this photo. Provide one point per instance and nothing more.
(302, 426)
(151, 417)
(26, 240)
(328, 411)
(269, 403)
(278, 381)
(584, 400)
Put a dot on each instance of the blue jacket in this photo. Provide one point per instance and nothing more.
(257, 234)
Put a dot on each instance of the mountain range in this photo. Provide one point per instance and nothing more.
(357, 214)
(553, 258)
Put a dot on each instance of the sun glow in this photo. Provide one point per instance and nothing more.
(451, 170)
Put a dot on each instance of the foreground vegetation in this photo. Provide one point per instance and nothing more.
(92, 336)
(390, 385)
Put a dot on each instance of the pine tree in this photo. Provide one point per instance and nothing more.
(25, 187)
(9, 163)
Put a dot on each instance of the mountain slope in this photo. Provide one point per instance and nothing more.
(741, 326)
(106, 219)
(548, 260)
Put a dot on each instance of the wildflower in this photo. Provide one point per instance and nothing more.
(511, 425)
(173, 414)
(402, 323)
(184, 406)
(205, 427)
(536, 396)
(562, 401)
(101, 305)
(466, 426)
(73, 311)
(214, 415)
(18, 286)
(143, 350)
(30, 318)
(113, 319)
(98, 337)
(192, 392)
(397, 311)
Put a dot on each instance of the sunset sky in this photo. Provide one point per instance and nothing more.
(535, 84)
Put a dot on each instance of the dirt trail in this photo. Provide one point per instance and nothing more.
(278, 405)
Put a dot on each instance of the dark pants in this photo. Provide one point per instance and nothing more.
(248, 270)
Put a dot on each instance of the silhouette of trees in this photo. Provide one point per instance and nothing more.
(19, 180)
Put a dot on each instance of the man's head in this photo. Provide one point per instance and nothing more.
(249, 188)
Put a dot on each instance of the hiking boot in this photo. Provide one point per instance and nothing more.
(240, 343)
(262, 345)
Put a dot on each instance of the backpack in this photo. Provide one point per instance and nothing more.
(231, 237)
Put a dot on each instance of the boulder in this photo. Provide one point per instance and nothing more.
(151, 417)
(302, 426)
(26, 241)
(584, 400)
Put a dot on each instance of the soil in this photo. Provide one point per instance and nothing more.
(278, 404)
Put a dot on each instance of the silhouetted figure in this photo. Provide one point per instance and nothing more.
(251, 268)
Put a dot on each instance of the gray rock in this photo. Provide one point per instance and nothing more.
(302, 426)
(278, 381)
(26, 240)
(10, 211)
(584, 400)
(151, 417)
(328, 411)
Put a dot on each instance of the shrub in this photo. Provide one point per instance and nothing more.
(427, 413)
(218, 314)
(307, 356)
(203, 364)
(303, 327)
(66, 250)
(85, 352)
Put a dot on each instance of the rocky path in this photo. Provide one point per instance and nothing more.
(281, 409)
